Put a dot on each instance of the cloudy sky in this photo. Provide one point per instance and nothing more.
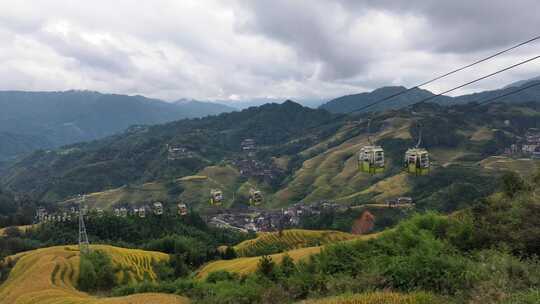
(238, 50)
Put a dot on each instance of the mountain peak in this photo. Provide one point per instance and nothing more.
(351, 103)
(389, 88)
(289, 102)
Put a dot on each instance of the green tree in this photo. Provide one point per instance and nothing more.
(287, 266)
(87, 275)
(229, 253)
(96, 271)
(266, 267)
(512, 183)
(220, 275)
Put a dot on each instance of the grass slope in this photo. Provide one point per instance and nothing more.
(523, 166)
(333, 174)
(49, 275)
(196, 190)
(144, 193)
(376, 298)
(292, 239)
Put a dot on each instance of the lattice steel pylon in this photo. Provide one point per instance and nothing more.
(83, 237)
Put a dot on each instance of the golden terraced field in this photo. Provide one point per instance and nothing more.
(292, 239)
(246, 265)
(22, 228)
(49, 276)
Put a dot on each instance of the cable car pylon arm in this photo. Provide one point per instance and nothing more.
(369, 131)
(419, 126)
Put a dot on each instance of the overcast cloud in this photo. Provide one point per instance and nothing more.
(243, 49)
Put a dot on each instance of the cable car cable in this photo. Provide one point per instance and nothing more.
(450, 73)
(433, 80)
(508, 94)
(460, 86)
(479, 79)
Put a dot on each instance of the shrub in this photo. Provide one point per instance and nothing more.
(266, 267)
(87, 275)
(221, 275)
(287, 266)
(163, 270)
(96, 271)
(229, 253)
(512, 183)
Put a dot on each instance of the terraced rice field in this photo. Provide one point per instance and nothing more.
(334, 173)
(246, 265)
(523, 166)
(49, 276)
(148, 192)
(22, 228)
(291, 239)
(249, 264)
(378, 298)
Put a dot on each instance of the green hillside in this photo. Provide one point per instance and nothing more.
(313, 154)
(44, 120)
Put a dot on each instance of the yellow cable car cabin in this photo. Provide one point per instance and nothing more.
(371, 159)
(216, 197)
(417, 161)
(182, 209)
(255, 197)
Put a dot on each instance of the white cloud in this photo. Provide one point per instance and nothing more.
(246, 49)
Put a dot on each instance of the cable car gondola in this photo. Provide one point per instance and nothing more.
(216, 197)
(182, 209)
(255, 197)
(371, 157)
(417, 159)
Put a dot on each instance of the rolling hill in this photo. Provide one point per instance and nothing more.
(141, 156)
(39, 120)
(49, 275)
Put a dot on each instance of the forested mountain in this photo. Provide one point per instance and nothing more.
(311, 156)
(352, 103)
(33, 120)
(140, 155)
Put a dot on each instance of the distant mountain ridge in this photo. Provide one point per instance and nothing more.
(34, 120)
(521, 82)
(351, 103)
(355, 102)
